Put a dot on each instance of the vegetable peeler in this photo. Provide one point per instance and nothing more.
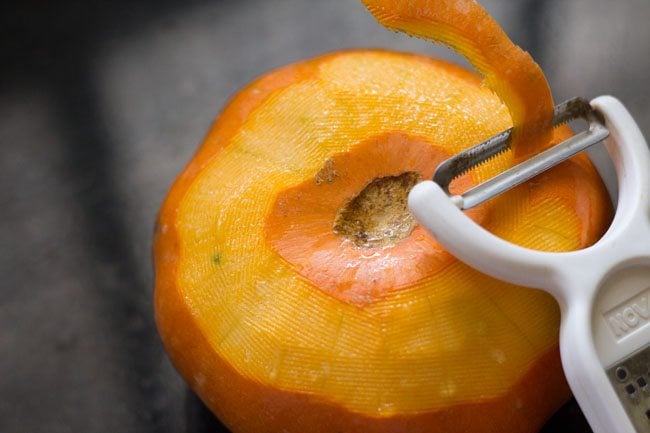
(603, 290)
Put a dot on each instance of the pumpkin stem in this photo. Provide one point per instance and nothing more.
(378, 216)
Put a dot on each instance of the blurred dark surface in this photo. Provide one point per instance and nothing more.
(101, 105)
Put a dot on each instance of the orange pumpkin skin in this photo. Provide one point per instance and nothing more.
(248, 404)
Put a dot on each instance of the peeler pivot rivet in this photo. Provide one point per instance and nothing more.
(622, 374)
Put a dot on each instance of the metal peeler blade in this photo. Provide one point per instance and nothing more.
(569, 110)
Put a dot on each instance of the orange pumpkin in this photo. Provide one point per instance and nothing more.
(294, 291)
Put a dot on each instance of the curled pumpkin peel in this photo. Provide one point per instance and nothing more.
(281, 324)
(511, 72)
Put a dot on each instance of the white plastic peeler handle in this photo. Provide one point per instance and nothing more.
(586, 283)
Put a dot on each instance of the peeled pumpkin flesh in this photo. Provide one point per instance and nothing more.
(295, 294)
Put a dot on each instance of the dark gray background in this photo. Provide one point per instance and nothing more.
(101, 105)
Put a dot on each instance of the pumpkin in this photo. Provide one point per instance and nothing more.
(295, 292)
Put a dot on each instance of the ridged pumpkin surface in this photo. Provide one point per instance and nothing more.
(282, 322)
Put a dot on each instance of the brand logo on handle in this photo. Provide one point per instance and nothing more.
(630, 315)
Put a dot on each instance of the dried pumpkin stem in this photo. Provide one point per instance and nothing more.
(378, 215)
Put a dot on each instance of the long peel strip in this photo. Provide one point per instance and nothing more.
(509, 71)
